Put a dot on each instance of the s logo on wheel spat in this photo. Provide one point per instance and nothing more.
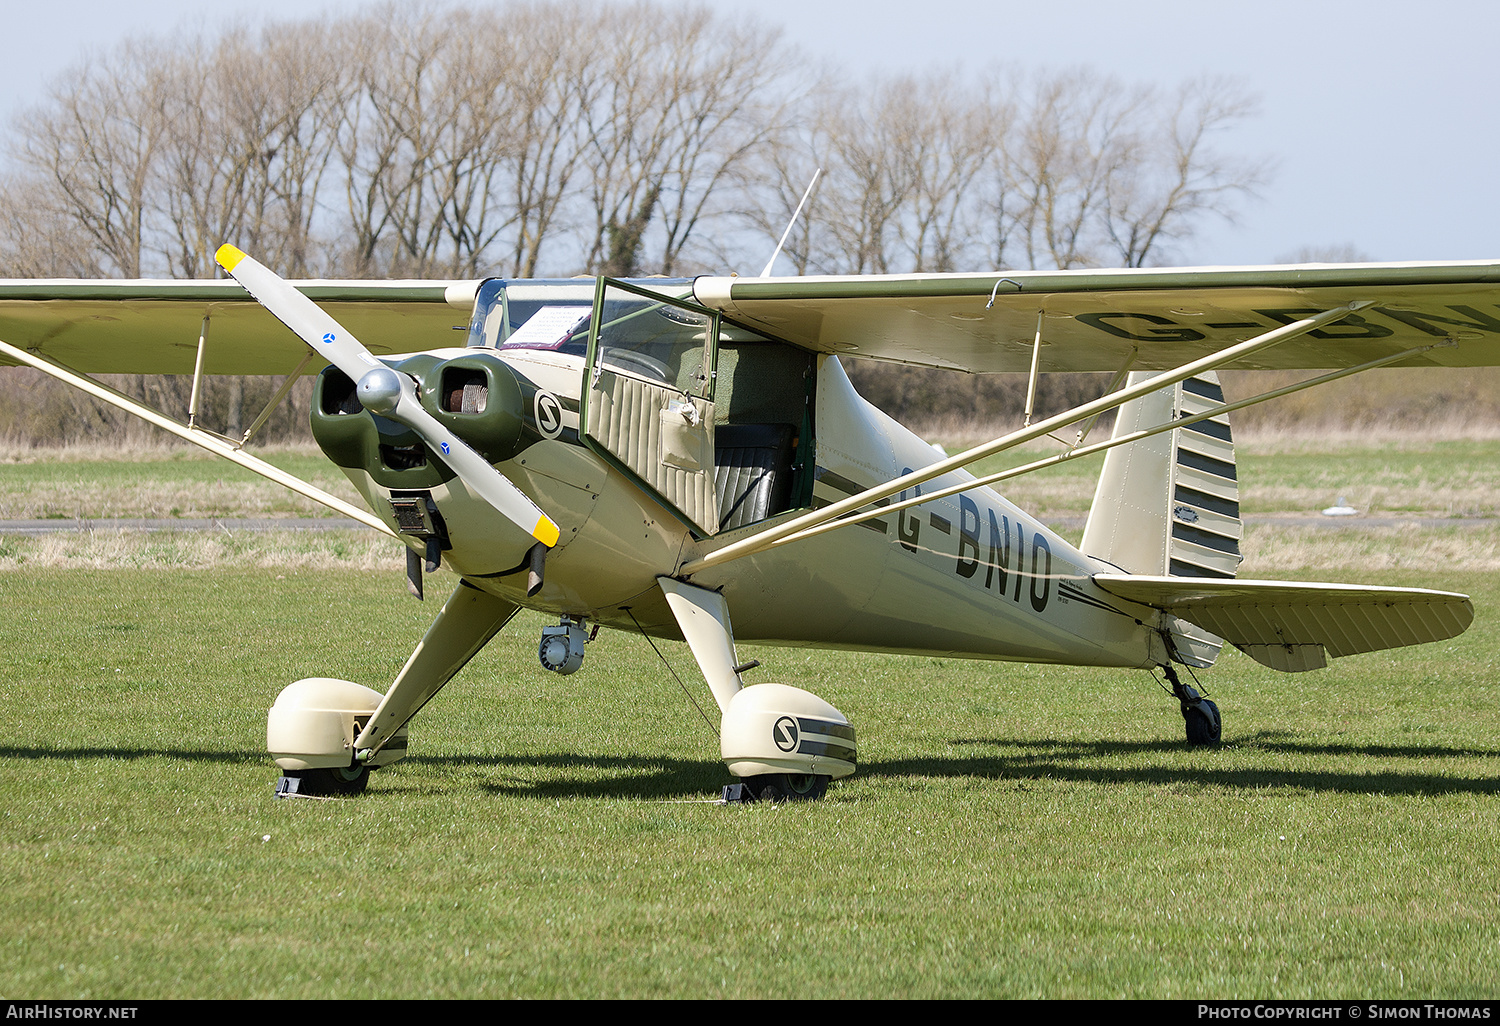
(784, 733)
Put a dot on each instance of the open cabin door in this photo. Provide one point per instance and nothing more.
(648, 395)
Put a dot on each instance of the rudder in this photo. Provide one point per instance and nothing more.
(1169, 505)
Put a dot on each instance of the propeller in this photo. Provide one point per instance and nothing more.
(383, 391)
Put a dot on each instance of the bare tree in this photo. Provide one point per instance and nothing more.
(550, 58)
(557, 137)
(679, 109)
(93, 145)
(1177, 176)
(40, 240)
(786, 173)
(736, 107)
(903, 163)
(626, 113)
(872, 174)
(206, 176)
(955, 133)
(388, 139)
(307, 85)
(1073, 135)
(940, 172)
(471, 150)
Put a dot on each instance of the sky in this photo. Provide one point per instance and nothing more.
(1378, 119)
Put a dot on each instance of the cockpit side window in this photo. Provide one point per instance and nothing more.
(661, 340)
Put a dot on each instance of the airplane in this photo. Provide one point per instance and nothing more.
(654, 455)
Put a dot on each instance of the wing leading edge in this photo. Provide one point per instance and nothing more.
(1292, 626)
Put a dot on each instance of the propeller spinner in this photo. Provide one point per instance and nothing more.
(384, 391)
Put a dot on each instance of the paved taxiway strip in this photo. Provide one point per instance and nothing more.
(1063, 523)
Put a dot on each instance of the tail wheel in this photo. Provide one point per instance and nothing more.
(1200, 715)
(789, 787)
(1204, 727)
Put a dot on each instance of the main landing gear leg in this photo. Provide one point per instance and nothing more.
(783, 743)
(327, 735)
(465, 624)
(1199, 714)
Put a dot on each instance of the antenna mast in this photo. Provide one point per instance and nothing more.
(766, 273)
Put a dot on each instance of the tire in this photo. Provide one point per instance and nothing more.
(789, 787)
(340, 782)
(1204, 727)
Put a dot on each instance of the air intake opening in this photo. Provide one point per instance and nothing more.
(403, 457)
(465, 390)
(339, 394)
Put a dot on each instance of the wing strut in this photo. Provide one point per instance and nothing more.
(275, 400)
(196, 400)
(767, 538)
(198, 372)
(1089, 450)
(199, 437)
(1114, 383)
(1036, 358)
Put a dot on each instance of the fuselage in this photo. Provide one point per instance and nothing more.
(965, 575)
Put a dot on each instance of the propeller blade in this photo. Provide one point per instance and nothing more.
(307, 319)
(383, 391)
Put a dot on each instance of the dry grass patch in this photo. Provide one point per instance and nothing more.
(160, 448)
(1453, 477)
(1377, 472)
(86, 499)
(139, 550)
(1271, 548)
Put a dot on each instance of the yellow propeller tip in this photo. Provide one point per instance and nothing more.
(546, 532)
(228, 257)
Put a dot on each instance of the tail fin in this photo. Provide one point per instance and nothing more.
(1169, 505)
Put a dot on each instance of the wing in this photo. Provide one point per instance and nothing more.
(152, 327)
(1094, 320)
(1291, 625)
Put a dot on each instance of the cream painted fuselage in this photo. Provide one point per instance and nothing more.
(968, 575)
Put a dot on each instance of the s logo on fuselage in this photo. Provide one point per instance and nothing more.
(784, 733)
(549, 414)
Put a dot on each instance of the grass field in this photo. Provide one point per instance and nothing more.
(1013, 831)
(169, 481)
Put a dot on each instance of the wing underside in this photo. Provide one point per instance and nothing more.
(1149, 319)
(153, 327)
(1291, 625)
(1091, 320)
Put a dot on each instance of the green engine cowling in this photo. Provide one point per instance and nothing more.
(475, 395)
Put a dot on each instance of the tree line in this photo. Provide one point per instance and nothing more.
(576, 137)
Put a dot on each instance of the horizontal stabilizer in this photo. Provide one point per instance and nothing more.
(1290, 625)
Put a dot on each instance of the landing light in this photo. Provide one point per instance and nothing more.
(561, 650)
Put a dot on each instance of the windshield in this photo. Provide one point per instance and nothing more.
(503, 320)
